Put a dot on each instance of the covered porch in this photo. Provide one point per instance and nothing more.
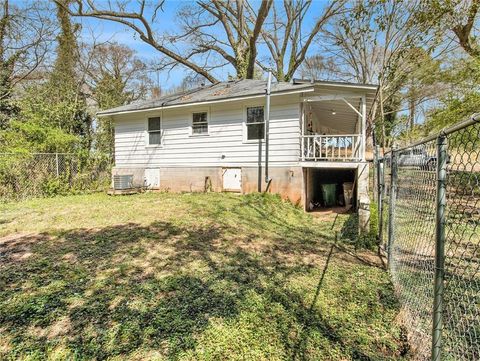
(334, 122)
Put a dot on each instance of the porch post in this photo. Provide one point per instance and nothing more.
(302, 132)
(364, 126)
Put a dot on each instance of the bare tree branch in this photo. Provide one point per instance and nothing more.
(139, 24)
(283, 36)
(26, 34)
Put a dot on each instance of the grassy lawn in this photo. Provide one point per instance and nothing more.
(187, 277)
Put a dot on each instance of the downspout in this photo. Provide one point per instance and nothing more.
(267, 126)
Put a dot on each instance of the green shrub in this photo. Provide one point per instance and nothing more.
(53, 186)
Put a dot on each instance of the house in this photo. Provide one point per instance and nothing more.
(214, 137)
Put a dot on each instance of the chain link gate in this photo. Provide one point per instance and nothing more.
(429, 215)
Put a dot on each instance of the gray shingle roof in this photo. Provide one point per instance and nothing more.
(209, 93)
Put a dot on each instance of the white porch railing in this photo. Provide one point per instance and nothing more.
(331, 147)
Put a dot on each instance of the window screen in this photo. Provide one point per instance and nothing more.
(200, 123)
(255, 123)
(154, 131)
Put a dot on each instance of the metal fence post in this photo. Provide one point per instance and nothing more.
(380, 181)
(441, 203)
(391, 207)
(56, 164)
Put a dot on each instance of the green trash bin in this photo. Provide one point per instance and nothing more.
(329, 192)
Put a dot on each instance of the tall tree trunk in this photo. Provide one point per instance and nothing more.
(411, 112)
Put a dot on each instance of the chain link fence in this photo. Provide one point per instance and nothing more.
(31, 175)
(429, 215)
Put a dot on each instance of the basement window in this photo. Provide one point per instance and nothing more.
(255, 123)
(200, 123)
(154, 131)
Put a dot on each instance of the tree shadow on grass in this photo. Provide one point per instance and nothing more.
(115, 290)
(114, 285)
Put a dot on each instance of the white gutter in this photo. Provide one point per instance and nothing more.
(363, 87)
(105, 114)
(341, 85)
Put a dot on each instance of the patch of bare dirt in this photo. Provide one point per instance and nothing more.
(365, 257)
(329, 214)
(18, 247)
(5, 345)
(60, 328)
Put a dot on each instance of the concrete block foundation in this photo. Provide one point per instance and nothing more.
(191, 179)
(286, 181)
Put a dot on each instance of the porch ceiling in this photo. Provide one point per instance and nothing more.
(326, 100)
(344, 120)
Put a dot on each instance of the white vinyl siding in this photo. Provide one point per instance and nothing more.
(223, 147)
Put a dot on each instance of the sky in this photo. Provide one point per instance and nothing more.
(102, 30)
(97, 30)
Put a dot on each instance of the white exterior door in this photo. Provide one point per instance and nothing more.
(152, 177)
(232, 179)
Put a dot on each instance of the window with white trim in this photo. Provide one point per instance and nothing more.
(199, 123)
(154, 131)
(255, 123)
